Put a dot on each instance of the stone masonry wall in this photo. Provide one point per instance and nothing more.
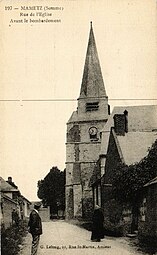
(45, 214)
(69, 202)
(7, 212)
(81, 157)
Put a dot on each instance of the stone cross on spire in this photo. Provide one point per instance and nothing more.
(92, 82)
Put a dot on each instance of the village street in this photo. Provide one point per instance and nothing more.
(60, 237)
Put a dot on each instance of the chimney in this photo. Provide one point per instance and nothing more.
(109, 109)
(126, 121)
(11, 182)
(121, 123)
(10, 179)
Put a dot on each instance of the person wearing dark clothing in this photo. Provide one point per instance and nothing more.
(97, 226)
(35, 228)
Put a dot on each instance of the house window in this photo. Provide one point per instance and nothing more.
(92, 106)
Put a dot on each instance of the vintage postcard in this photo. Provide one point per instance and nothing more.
(78, 103)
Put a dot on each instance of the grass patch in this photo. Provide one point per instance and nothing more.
(12, 237)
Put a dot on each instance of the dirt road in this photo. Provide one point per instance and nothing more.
(62, 238)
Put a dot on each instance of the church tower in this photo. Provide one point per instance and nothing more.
(83, 135)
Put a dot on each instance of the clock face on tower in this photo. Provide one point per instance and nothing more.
(93, 131)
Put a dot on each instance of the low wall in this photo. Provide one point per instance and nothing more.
(45, 214)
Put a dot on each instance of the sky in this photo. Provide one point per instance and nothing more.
(42, 68)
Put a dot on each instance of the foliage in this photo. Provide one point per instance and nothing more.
(118, 229)
(129, 180)
(12, 237)
(52, 189)
(87, 208)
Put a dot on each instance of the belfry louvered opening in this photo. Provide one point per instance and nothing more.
(94, 106)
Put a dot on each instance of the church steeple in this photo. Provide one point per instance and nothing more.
(84, 136)
(92, 82)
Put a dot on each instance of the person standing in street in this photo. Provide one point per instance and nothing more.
(97, 226)
(35, 227)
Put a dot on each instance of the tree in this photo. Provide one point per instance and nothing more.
(52, 190)
(129, 180)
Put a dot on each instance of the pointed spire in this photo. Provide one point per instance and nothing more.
(92, 82)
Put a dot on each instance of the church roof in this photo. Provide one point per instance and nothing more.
(135, 145)
(140, 118)
(142, 132)
(92, 82)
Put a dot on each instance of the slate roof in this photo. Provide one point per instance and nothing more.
(140, 118)
(75, 117)
(92, 86)
(142, 132)
(92, 82)
(24, 198)
(9, 199)
(135, 145)
(6, 187)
